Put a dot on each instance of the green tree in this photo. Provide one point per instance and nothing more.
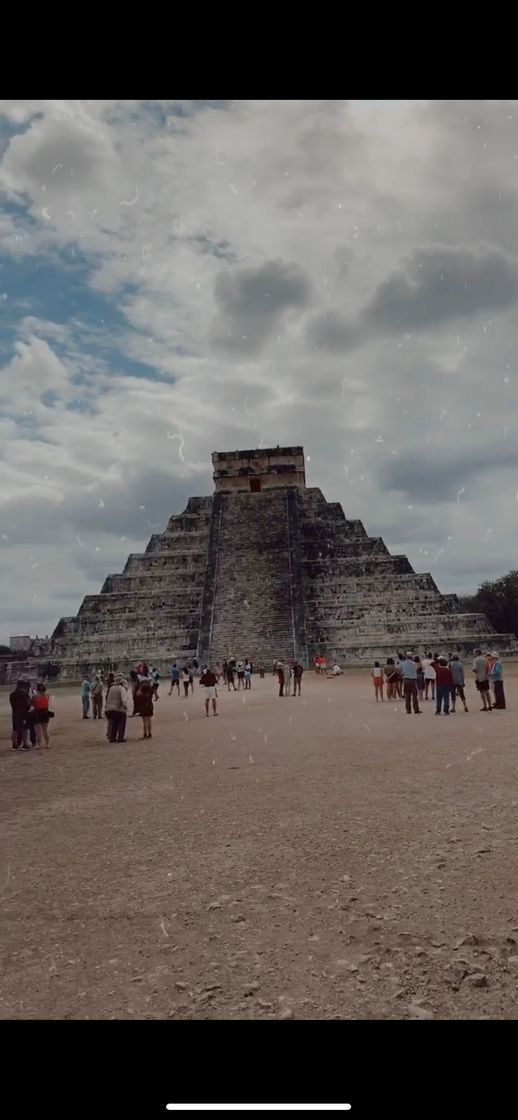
(498, 600)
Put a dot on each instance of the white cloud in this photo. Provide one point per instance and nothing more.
(177, 216)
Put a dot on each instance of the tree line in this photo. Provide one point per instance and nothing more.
(498, 600)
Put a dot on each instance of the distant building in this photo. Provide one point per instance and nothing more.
(20, 643)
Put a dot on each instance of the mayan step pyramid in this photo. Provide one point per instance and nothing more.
(265, 568)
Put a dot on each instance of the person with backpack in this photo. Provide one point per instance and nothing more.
(20, 702)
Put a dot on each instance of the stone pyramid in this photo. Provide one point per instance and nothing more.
(265, 568)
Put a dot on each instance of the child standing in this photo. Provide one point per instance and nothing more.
(377, 680)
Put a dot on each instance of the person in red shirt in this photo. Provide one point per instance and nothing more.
(40, 703)
(443, 686)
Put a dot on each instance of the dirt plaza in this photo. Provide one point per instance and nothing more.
(321, 857)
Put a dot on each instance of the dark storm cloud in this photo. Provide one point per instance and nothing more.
(251, 302)
(333, 333)
(439, 283)
(440, 475)
(434, 285)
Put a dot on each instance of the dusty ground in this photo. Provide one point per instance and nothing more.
(322, 857)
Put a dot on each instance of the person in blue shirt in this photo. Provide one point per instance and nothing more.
(85, 697)
(175, 678)
(496, 676)
(408, 668)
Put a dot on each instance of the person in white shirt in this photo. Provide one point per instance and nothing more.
(429, 676)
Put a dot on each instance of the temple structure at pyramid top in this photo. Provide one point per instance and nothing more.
(265, 568)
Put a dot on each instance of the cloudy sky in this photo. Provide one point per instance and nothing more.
(178, 277)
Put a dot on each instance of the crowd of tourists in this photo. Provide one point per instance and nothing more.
(439, 678)
(409, 677)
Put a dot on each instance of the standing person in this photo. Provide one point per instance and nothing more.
(186, 680)
(261, 670)
(298, 670)
(377, 680)
(144, 704)
(19, 700)
(287, 679)
(443, 686)
(209, 682)
(110, 679)
(408, 669)
(420, 678)
(280, 677)
(497, 680)
(224, 668)
(398, 661)
(248, 675)
(191, 675)
(240, 675)
(175, 678)
(429, 676)
(85, 697)
(458, 688)
(40, 703)
(134, 684)
(481, 671)
(391, 674)
(30, 718)
(230, 676)
(155, 681)
(116, 710)
(96, 692)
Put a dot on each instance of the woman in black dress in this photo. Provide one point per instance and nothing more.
(144, 706)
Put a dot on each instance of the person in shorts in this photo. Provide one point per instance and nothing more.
(429, 676)
(40, 704)
(481, 671)
(377, 680)
(458, 689)
(175, 678)
(208, 681)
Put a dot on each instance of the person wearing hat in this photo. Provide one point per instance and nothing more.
(116, 710)
(496, 676)
(408, 670)
(443, 686)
